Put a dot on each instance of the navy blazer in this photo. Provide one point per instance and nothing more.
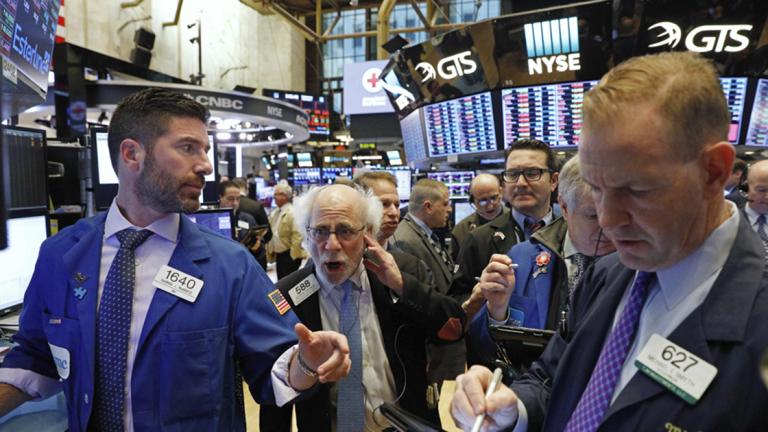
(728, 330)
(184, 372)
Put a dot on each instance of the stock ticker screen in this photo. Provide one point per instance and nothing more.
(305, 176)
(329, 174)
(457, 182)
(27, 31)
(550, 113)
(315, 106)
(757, 134)
(460, 126)
(414, 140)
(735, 90)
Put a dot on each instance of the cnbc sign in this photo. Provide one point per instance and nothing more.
(553, 46)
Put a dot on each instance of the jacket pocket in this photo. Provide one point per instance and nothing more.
(63, 336)
(191, 369)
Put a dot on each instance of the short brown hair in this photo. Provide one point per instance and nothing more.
(682, 86)
(425, 190)
(368, 178)
(144, 116)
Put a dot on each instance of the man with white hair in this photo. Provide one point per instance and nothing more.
(354, 285)
(285, 247)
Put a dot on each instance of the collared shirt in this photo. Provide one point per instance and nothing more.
(378, 381)
(752, 216)
(520, 219)
(150, 256)
(678, 290)
(421, 224)
(275, 219)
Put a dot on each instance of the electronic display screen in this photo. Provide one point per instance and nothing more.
(461, 209)
(24, 159)
(735, 90)
(304, 160)
(403, 176)
(549, 113)
(457, 182)
(329, 174)
(305, 176)
(217, 220)
(27, 32)
(414, 138)
(315, 106)
(757, 134)
(460, 126)
(25, 235)
(394, 157)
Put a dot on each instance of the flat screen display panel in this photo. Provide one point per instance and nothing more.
(24, 160)
(27, 32)
(25, 235)
(414, 137)
(461, 209)
(757, 133)
(460, 126)
(403, 176)
(305, 176)
(304, 160)
(107, 174)
(735, 90)
(217, 220)
(394, 158)
(457, 182)
(329, 174)
(549, 113)
(315, 106)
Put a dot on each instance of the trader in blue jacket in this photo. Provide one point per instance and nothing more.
(143, 318)
(674, 338)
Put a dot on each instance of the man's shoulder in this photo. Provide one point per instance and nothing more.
(504, 223)
(289, 281)
(76, 231)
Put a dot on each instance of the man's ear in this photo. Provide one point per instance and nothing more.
(563, 206)
(717, 161)
(555, 176)
(131, 154)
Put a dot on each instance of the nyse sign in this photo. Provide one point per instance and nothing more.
(448, 68)
(706, 38)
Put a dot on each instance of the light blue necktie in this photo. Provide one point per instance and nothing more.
(597, 396)
(350, 404)
(112, 333)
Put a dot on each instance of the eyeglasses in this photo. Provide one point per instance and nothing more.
(322, 234)
(490, 200)
(530, 174)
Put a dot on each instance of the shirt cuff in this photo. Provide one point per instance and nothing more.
(522, 418)
(492, 321)
(35, 385)
(284, 393)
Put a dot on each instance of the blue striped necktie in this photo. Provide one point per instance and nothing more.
(350, 404)
(113, 332)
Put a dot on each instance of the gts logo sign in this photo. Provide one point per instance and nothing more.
(706, 38)
(448, 68)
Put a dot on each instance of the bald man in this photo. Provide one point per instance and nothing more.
(756, 209)
(485, 196)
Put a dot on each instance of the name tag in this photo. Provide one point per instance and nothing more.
(61, 359)
(178, 283)
(302, 290)
(242, 224)
(674, 367)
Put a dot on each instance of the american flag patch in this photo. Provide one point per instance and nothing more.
(281, 304)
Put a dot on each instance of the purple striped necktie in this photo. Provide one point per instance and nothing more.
(597, 396)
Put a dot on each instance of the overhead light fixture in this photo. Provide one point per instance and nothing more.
(223, 135)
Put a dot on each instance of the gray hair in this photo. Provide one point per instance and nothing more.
(571, 185)
(283, 187)
(368, 205)
(425, 190)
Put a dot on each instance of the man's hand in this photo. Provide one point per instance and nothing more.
(383, 265)
(326, 352)
(469, 401)
(10, 398)
(497, 284)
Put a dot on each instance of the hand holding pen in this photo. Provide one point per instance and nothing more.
(482, 403)
(497, 283)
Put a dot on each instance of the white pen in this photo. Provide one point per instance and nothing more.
(495, 381)
(512, 266)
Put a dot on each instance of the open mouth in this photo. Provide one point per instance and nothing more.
(334, 265)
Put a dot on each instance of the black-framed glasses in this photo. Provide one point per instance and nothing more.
(343, 233)
(530, 174)
(487, 201)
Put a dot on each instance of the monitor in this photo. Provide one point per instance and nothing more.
(25, 235)
(735, 90)
(457, 182)
(305, 176)
(460, 126)
(220, 220)
(414, 136)
(25, 164)
(550, 113)
(403, 176)
(394, 158)
(329, 174)
(304, 160)
(461, 209)
(315, 106)
(757, 133)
